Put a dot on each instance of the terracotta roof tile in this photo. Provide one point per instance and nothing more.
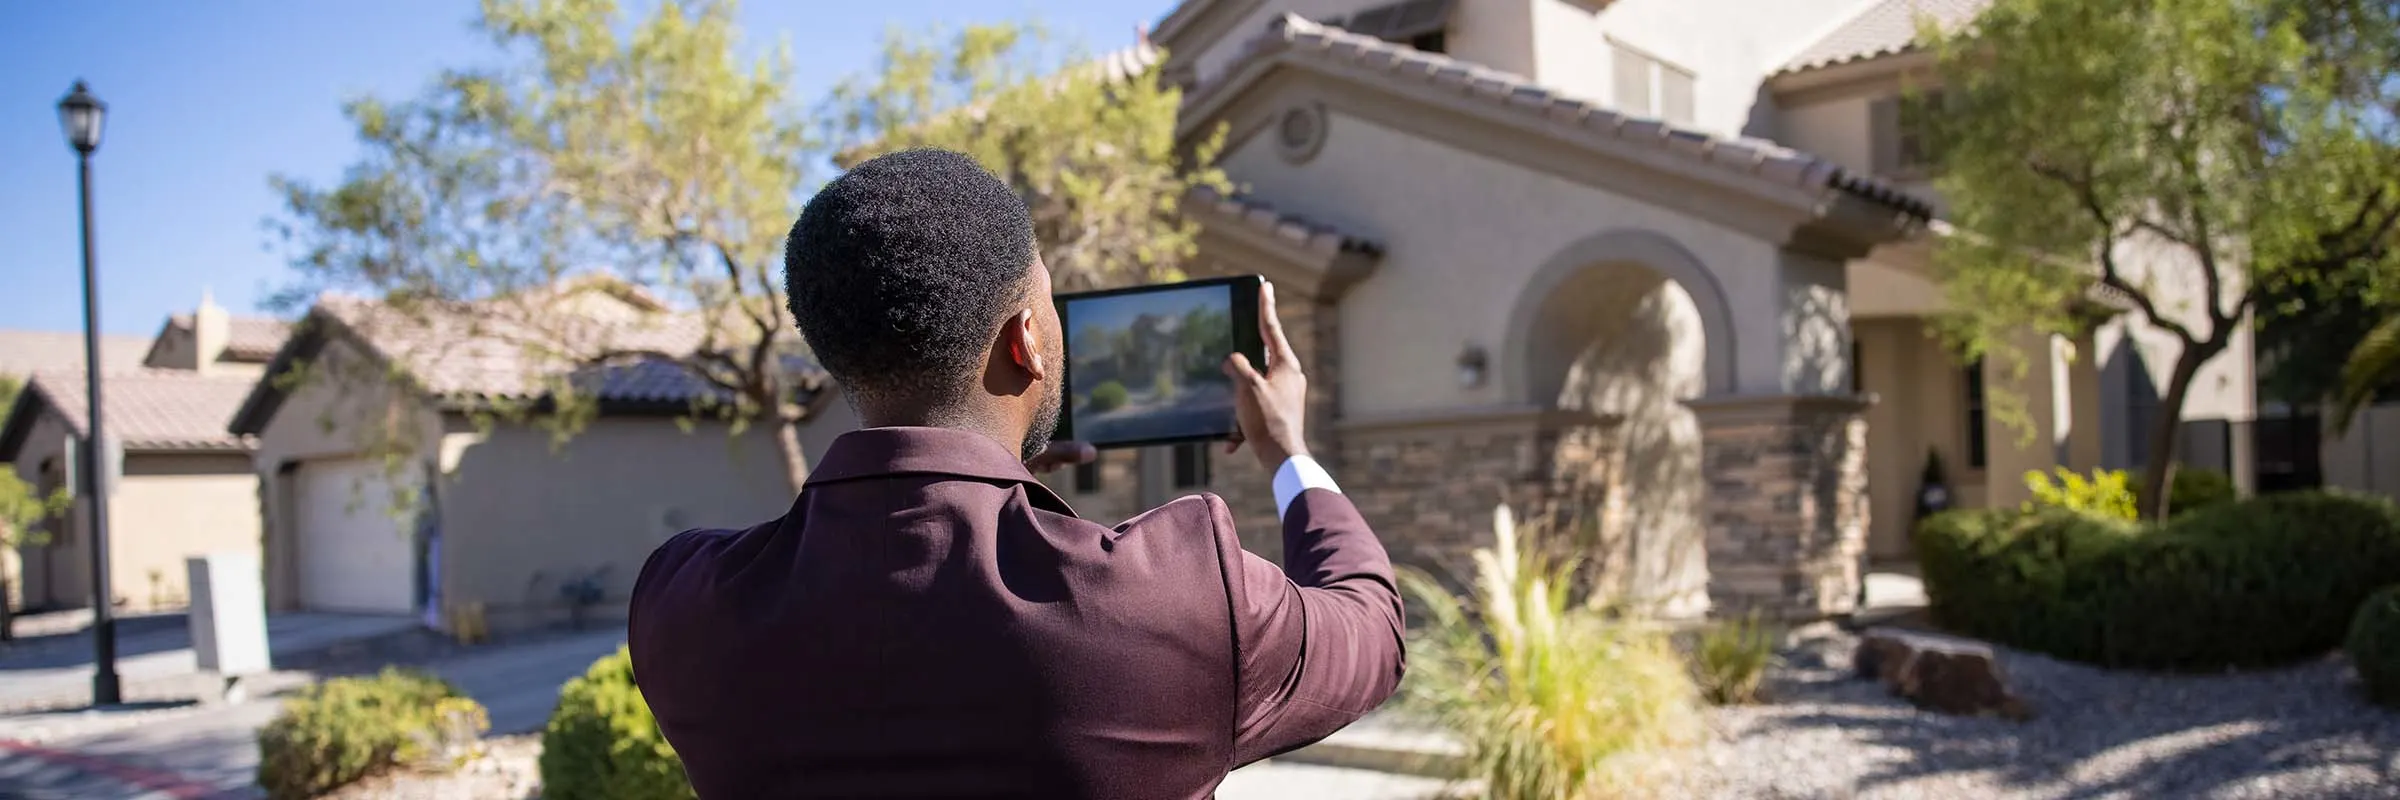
(1888, 27)
(1754, 158)
(152, 409)
(1258, 214)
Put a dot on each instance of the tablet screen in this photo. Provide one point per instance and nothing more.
(1149, 365)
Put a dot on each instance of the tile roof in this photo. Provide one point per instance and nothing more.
(471, 355)
(246, 338)
(1885, 28)
(1257, 214)
(1756, 159)
(151, 409)
(26, 352)
(463, 355)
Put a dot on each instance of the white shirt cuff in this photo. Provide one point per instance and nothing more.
(1299, 474)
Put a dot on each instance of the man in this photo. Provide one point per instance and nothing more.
(929, 620)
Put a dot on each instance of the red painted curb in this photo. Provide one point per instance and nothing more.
(175, 786)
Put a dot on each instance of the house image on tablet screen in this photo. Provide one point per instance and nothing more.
(1149, 366)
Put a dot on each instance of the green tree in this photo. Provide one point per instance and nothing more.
(22, 508)
(1090, 146)
(2185, 155)
(646, 145)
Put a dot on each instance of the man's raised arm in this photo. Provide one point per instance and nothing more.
(1319, 640)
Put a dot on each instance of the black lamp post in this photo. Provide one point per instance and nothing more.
(81, 115)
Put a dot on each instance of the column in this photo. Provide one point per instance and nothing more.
(1787, 516)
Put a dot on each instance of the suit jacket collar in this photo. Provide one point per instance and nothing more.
(882, 452)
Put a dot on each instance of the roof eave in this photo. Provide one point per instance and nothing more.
(307, 339)
(23, 414)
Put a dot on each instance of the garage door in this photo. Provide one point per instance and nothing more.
(354, 555)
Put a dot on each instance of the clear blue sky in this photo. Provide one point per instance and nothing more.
(206, 99)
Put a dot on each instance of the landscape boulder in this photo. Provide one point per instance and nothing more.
(1951, 676)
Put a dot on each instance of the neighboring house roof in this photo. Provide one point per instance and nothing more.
(27, 352)
(149, 410)
(1292, 36)
(252, 339)
(465, 359)
(1883, 28)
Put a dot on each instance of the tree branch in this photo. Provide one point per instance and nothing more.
(2110, 276)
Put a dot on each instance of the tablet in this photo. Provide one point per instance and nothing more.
(1146, 365)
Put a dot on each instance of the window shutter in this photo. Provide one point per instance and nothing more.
(1675, 101)
(1632, 82)
(1883, 131)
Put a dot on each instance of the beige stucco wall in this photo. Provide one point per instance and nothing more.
(1920, 407)
(1729, 45)
(518, 516)
(1465, 235)
(167, 506)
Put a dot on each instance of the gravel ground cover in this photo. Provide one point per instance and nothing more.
(2299, 731)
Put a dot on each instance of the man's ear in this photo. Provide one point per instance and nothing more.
(1025, 345)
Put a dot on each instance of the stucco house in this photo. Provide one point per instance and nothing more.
(185, 485)
(1659, 267)
(475, 511)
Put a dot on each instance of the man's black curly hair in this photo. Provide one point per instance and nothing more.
(901, 270)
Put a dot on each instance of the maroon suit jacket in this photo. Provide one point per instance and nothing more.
(930, 621)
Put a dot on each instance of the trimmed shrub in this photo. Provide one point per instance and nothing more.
(2242, 583)
(1109, 396)
(344, 729)
(2374, 645)
(602, 743)
(2193, 488)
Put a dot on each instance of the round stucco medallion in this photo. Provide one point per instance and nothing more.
(1300, 132)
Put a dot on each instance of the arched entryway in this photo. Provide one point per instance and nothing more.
(1630, 326)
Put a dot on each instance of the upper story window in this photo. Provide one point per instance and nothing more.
(1647, 85)
(1421, 24)
(1904, 144)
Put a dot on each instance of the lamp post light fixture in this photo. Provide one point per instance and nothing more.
(81, 116)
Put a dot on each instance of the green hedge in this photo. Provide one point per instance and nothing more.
(344, 729)
(2240, 583)
(603, 744)
(2374, 645)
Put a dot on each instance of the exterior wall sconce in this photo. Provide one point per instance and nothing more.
(1473, 367)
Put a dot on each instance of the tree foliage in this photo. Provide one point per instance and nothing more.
(1090, 145)
(2185, 156)
(23, 508)
(643, 145)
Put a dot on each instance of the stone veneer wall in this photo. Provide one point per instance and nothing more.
(1787, 510)
(1430, 486)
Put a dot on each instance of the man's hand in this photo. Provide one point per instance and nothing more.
(1272, 407)
(1060, 454)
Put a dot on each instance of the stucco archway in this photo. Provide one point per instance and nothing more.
(1613, 327)
(1530, 355)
